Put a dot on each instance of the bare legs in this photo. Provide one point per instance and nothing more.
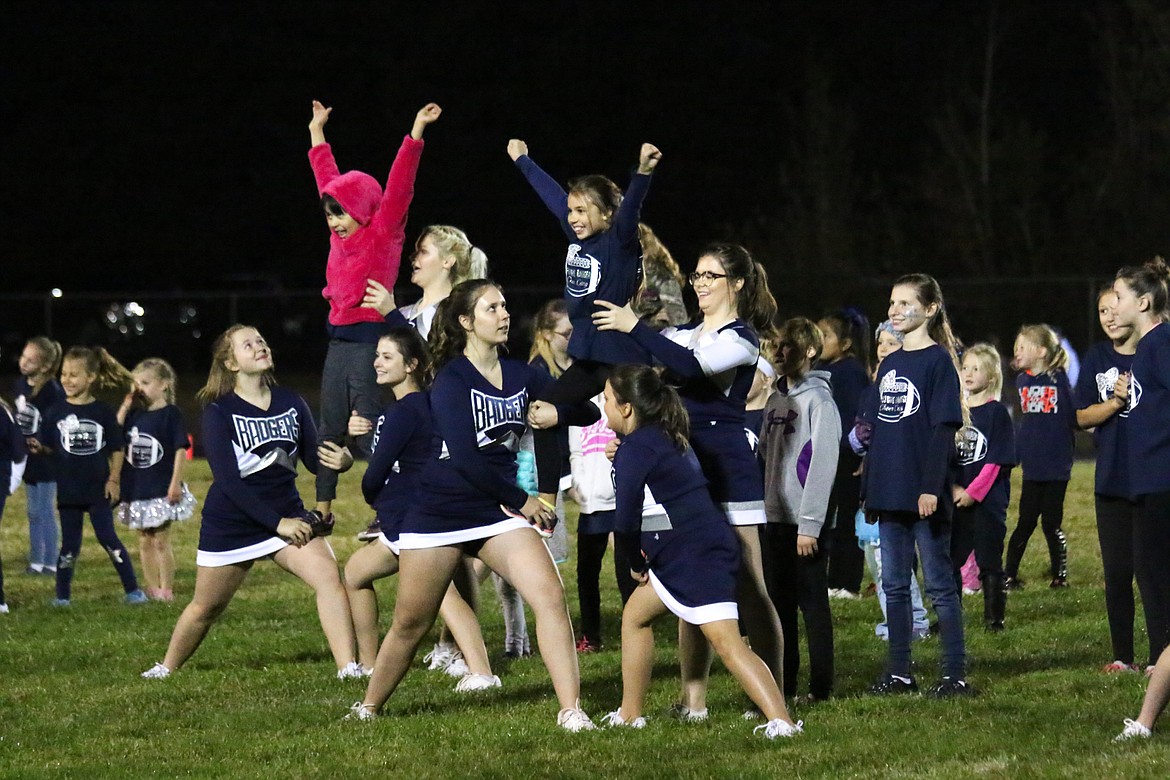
(214, 588)
(158, 561)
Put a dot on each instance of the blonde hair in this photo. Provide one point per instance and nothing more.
(470, 261)
(1045, 337)
(544, 324)
(50, 352)
(161, 370)
(220, 379)
(991, 363)
(108, 373)
(655, 256)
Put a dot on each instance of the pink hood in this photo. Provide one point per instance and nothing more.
(358, 193)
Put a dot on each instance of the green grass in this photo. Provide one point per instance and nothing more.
(259, 698)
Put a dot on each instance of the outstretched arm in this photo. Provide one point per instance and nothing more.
(425, 116)
(555, 199)
(320, 155)
(317, 123)
(629, 213)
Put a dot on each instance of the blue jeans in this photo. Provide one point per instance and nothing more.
(42, 523)
(873, 559)
(900, 532)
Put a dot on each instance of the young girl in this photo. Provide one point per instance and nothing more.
(469, 502)
(36, 391)
(1045, 448)
(253, 433)
(919, 412)
(680, 544)
(799, 443)
(83, 437)
(714, 361)
(153, 492)
(845, 356)
(987, 452)
(1142, 303)
(367, 228)
(603, 263)
(402, 443)
(13, 457)
(661, 274)
(1103, 400)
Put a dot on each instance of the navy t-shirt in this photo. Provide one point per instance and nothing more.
(917, 391)
(1149, 414)
(1100, 368)
(1048, 420)
(849, 381)
(991, 438)
(402, 445)
(29, 411)
(152, 439)
(82, 436)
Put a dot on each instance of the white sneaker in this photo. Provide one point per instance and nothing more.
(780, 728)
(157, 672)
(477, 682)
(685, 714)
(352, 671)
(1132, 730)
(439, 658)
(3, 609)
(574, 719)
(458, 667)
(751, 713)
(361, 711)
(615, 719)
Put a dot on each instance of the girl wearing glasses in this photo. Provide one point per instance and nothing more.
(713, 362)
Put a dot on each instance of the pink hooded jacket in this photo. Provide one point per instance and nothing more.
(375, 251)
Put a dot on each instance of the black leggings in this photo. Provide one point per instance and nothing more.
(980, 529)
(1151, 539)
(101, 517)
(580, 382)
(1043, 501)
(590, 554)
(847, 560)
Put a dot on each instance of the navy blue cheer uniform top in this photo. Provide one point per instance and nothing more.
(402, 446)
(253, 453)
(469, 480)
(663, 505)
(989, 439)
(29, 413)
(1149, 414)
(918, 412)
(1100, 368)
(152, 439)
(605, 266)
(1048, 420)
(82, 437)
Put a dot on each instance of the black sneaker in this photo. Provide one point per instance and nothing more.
(950, 687)
(371, 532)
(1012, 583)
(890, 684)
(1058, 582)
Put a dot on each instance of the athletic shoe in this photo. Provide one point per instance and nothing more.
(615, 719)
(440, 657)
(1119, 666)
(3, 608)
(970, 591)
(35, 570)
(361, 711)
(1058, 582)
(1132, 730)
(751, 713)
(370, 533)
(157, 672)
(780, 728)
(477, 682)
(685, 714)
(574, 719)
(1013, 583)
(135, 597)
(1150, 670)
(950, 687)
(458, 667)
(890, 684)
(842, 593)
(584, 646)
(60, 602)
(352, 671)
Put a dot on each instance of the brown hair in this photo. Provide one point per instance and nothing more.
(108, 372)
(50, 352)
(654, 401)
(1151, 279)
(799, 333)
(413, 348)
(599, 191)
(220, 379)
(755, 302)
(447, 336)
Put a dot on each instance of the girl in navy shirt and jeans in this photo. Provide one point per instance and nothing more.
(913, 444)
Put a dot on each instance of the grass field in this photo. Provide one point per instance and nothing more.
(259, 699)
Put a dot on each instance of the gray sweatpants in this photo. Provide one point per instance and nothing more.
(348, 384)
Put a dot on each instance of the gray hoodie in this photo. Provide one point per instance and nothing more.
(799, 442)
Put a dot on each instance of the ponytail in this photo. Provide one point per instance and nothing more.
(927, 290)
(161, 370)
(413, 348)
(50, 353)
(108, 373)
(1152, 279)
(1045, 336)
(850, 324)
(448, 337)
(755, 302)
(470, 261)
(654, 401)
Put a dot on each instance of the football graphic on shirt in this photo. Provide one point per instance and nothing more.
(144, 450)
(1135, 394)
(1105, 384)
(582, 272)
(80, 436)
(899, 398)
(28, 417)
(972, 445)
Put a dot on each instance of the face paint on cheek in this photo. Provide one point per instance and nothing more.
(911, 313)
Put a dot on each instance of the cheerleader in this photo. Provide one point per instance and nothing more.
(714, 362)
(679, 545)
(153, 492)
(253, 433)
(469, 502)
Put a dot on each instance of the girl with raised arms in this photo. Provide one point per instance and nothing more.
(253, 433)
(469, 502)
(714, 362)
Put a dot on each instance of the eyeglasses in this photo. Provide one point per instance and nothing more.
(705, 276)
(566, 334)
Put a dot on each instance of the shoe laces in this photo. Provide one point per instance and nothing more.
(682, 712)
(574, 719)
(439, 658)
(361, 711)
(477, 682)
(157, 672)
(351, 671)
(615, 719)
(1132, 729)
(780, 728)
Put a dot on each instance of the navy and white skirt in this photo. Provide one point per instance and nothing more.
(732, 472)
